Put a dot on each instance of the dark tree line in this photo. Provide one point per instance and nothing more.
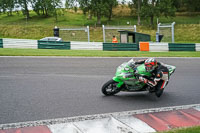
(145, 9)
(148, 9)
(96, 8)
(41, 7)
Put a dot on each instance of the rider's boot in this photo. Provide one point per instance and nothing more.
(159, 92)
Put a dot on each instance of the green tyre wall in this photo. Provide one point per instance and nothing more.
(1, 43)
(53, 45)
(182, 47)
(120, 47)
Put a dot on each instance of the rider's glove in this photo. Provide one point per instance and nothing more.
(142, 79)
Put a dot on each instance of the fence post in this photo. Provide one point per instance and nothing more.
(158, 28)
(88, 31)
(104, 38)
(173, 32)
(135, 28)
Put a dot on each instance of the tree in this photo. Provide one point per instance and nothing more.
(37, 7)
(7, 5)
(46, 7)
(85, 6)
(110, 5)
(71, 4)
(177, 4)
(56, 4)
(138, 10)
(136, 5)
(193, 5)
(98, 8)
(152, 8)
(24, 5)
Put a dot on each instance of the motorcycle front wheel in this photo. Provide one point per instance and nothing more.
(110, 88)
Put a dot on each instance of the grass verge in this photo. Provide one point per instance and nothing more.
(92, 53)
(185, 130)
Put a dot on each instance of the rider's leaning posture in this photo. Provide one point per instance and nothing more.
(160, 75)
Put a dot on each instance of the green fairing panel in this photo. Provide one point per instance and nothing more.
(142, 71)
(170, 68)
(120, 82)
(125, 73)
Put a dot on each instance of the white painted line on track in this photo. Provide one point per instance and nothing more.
(93, 117)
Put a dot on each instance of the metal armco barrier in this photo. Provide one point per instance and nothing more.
(120, 46)
(181, 47)
(53, 45)
(1, 43)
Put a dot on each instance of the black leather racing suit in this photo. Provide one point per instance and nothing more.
(159, 79)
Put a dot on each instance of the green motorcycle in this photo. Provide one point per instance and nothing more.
(126, 79)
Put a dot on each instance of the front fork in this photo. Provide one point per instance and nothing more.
(120, 82)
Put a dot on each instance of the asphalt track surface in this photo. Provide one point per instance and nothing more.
(40, 88)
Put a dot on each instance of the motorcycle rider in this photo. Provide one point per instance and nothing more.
(160, 75)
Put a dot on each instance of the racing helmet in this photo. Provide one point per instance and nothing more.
(150, 64)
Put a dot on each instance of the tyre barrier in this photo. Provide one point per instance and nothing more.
(181, 47)
(53, 45)
(1, 43)
(149, 46)
(120, 47)
(142, 46)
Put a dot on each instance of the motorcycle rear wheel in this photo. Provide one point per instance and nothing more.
(110, 88)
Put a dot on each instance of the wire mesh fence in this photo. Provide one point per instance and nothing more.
(167, 34)
(167, 30)
(75, 34)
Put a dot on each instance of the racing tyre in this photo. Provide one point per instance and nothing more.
(110, 88)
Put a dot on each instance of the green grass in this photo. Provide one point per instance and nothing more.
(69, 18)
(187, 28)
(92, 53)
(184, 130)
(185, 33)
